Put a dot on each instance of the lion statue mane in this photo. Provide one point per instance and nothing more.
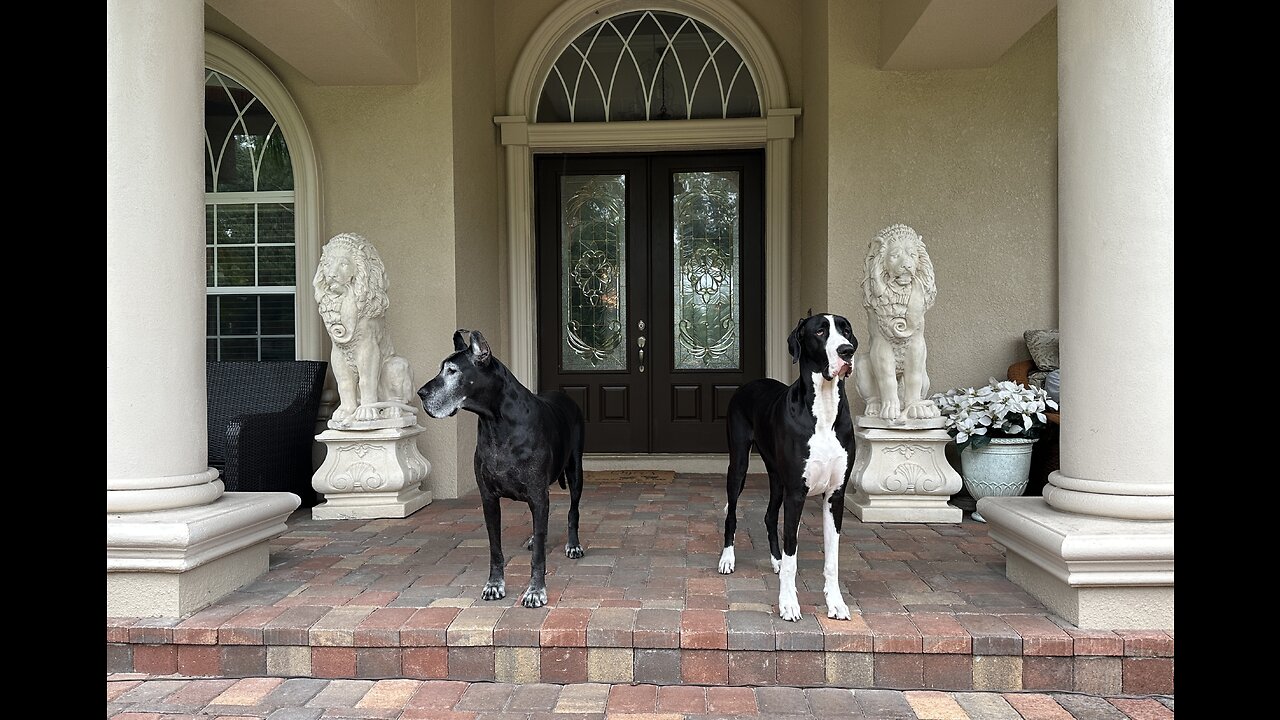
(351, 290)
(897, 291)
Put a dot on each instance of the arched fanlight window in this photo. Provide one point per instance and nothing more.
(250, 246)
(648, 65)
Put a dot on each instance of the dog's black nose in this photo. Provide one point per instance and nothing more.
(845, 352)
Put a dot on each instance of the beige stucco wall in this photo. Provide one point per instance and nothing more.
(967, 158)
(809, 270)
(478, 264)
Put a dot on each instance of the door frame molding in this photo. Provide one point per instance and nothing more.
(521, 139)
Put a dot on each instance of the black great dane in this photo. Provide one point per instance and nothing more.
(525, 442)
(804, 434)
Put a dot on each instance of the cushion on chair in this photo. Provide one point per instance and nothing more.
(1043, 346)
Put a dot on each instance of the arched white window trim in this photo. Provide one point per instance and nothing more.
(230, 59)
(522, 139)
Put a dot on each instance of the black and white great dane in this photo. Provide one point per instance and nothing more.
(525, 442)
(804, 434)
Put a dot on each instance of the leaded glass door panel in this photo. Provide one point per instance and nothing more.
(650, 298)
(593, 280)
(707, 257)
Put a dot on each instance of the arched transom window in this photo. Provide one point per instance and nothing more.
(249, 228)
(648, 65)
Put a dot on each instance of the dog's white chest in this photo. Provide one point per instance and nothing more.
(825, 466)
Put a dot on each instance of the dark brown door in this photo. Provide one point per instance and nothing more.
(650, 293)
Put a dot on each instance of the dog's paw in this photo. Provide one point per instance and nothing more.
(534, 598)
(776, 563)
(789, 608)
(726, 560)
(494, 590)
(836, 609)
(574, 551)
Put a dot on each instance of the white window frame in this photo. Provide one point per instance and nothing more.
(232, 60)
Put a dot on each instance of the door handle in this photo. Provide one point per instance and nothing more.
(640, 343)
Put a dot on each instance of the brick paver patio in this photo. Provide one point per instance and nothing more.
(387, 599)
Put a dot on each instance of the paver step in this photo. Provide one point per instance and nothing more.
(150, 698)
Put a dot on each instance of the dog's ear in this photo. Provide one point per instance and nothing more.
(460, 339)
(480, 349)
(793, 342)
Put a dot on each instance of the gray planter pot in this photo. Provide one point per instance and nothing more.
(998, 469)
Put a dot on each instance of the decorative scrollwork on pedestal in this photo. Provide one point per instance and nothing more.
(908, 477)
(357, 477)
(906, 451)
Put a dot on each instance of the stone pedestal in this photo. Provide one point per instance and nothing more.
(371, 474)
(1096, 572)
(901, 473)
(171, 563)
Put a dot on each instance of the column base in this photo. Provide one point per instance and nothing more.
(901, 474)
(370, 474)
(1098, 573)
(170, 563)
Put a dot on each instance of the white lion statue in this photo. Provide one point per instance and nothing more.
(897, 290)
(351, 289)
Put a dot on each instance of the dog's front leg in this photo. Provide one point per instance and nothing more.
(536, 595)
(788, 602)
(832, 509)
(496, 588)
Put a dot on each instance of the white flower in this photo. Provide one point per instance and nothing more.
(997, 407)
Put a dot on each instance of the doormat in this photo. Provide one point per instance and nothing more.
(644, 476)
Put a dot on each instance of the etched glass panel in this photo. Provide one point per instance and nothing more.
(708, 272)
(648, 65)
(593, 271)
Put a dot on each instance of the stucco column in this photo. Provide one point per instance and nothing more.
(175, 542)
(1098, 547)
(156, 444)
(1115, 235)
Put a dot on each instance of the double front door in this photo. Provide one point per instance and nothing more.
(650, 293)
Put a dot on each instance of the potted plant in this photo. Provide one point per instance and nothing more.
(995, 427)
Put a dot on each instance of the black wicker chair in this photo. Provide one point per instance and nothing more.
(262, 418)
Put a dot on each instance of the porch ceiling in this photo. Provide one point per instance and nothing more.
(334, 42)
(954, 34)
